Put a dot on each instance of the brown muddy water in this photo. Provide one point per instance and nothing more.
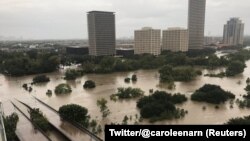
(107, 84)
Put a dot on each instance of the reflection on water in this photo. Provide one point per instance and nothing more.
(107, 84)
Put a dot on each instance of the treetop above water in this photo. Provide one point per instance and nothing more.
(26, 63)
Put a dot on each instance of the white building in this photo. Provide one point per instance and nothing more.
(148, 41)
(175, 39)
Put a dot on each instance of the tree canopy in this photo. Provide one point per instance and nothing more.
(161, 105)
(40, 79)
(63, 89)
(239, 121)
(128, 93)
(72, 74)
(75, 113)
(19, 64)
(134, 78)
(169, 74)
(102, 104)
(247, 88)
(235, 67)
(89, 84)
(211, 94)
(10, 123)
(36, 62)
(39, 119)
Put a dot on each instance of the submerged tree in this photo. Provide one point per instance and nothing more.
(10, 123)
(161, 105)
(127, 80)
(102, 104)
(248, 80)
(72, 74)
(89, 84)
(39, 119)
(40, 79)
(63, 89)
(235, 67)
(239, 121)
(127, 93)
(75, 113)
(211, 94)
(134, 78)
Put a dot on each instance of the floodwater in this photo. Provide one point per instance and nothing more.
(30, 133)
(63, 126)
(107, 84)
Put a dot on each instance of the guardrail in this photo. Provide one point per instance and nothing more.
(3, 134)
(31, 121)
(54, 127)
(96, 138)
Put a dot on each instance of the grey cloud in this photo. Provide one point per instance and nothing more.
(42, 19)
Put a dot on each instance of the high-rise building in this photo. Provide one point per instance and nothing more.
(196, 23)
(175, 39)
(101, 31)
(233, 32)
(148, 41)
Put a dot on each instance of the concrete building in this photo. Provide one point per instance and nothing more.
(196, 23)
(175, 39)
(233, 32)
(148, 41)
(101, 31)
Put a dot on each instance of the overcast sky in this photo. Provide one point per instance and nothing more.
(66, 19)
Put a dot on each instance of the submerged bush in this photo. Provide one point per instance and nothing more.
(63, 89)
(161, 105)
(211, 94)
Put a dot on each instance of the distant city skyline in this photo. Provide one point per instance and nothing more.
(66, 19)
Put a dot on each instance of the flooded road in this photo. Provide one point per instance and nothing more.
(107, 84)
(30, 133)
(66, 128)
(25, 130)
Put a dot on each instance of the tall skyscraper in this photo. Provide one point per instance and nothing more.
(148, 41)
(175, 39)
(196, 23)
(101, 31)
(233, 32)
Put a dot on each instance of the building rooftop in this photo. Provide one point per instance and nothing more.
(101, 12)
(147, 28)
(176, 28)
(235, 18)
